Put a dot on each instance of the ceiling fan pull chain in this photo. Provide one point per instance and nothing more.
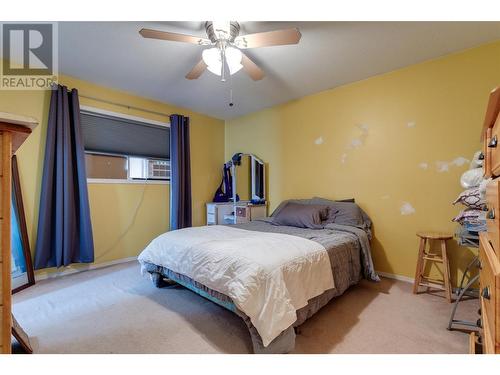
(223, 62)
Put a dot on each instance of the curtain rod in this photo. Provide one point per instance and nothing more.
(124, 105)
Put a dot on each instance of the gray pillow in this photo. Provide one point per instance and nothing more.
(306, 201)
(345, 213)
(301, 215)
(285, 202)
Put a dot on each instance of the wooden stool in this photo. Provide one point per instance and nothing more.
(426, 237)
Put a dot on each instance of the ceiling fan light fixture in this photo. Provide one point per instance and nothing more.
(233, 58)
(225, 41)
(212, 57)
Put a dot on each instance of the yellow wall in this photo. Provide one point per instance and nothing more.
(125, 217)
(444, 98)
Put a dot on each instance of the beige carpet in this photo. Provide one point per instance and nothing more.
(116, 310)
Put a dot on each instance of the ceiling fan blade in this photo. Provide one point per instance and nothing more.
(174, 37)
(269, 38)
(197, 71)
(251, 68)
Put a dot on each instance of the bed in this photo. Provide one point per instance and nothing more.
(273, 276)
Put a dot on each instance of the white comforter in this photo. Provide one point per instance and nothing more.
(267, 275)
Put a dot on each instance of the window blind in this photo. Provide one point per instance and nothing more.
(116, 135)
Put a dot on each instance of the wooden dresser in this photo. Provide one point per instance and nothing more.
(13, 131)
(489, 245)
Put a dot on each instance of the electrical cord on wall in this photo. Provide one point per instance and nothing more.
(129, 226)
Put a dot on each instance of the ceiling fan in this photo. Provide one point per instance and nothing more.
(226, 45)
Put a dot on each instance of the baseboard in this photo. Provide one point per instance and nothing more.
(72, 270)
(43, 275)
(405, 279)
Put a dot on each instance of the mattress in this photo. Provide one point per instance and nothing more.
(349, 257)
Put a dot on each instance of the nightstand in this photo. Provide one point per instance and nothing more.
(227, 213)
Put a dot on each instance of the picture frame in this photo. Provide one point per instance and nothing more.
(21, 336)
(22, 275)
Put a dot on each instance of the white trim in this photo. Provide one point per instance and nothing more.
(405, 279)
(12, 118)
(124, 181)
(122, 115)
(44, 275)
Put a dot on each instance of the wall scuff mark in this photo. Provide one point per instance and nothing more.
(460, 161)
(411, 124)
(363, 127)
(319, 141)
(356, 142)
(423, 165)
(444, 166)
(407, 209)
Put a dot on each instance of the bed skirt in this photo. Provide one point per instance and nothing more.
(285, 342)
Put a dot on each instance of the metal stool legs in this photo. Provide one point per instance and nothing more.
(461, 292)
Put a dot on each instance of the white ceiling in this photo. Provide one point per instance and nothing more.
(329, 54)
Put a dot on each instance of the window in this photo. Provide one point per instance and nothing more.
(124, 148)
(106, 166)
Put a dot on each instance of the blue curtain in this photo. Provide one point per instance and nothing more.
(64, 228)
(180, 173)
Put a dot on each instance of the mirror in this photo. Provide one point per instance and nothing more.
(242, 176)
(258, 183)
(249, 178)
(22, 274)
